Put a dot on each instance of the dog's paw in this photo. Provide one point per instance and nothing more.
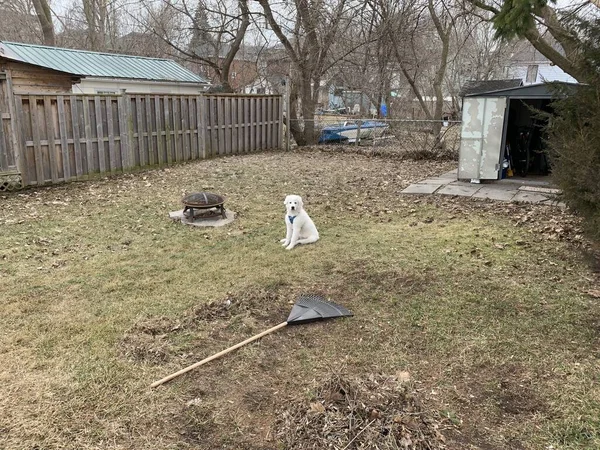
(285, 242)
(289, 247)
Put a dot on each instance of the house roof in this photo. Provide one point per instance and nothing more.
(99, 65)
(532, 91)
(475, 87)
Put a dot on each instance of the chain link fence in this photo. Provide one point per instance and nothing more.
(416, 139)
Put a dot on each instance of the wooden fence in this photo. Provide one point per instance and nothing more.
(70, 137)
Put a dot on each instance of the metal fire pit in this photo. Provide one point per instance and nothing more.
(204, 201)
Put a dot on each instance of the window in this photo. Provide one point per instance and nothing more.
(532, 73)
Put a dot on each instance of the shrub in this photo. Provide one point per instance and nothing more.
(574, 141)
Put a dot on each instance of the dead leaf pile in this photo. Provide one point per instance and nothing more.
(374, 412)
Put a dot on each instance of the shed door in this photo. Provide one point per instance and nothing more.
(481, 137)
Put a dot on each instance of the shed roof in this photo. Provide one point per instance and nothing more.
(101, 65)
(532, 91)
(472, 87)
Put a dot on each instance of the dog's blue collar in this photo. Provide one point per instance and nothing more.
(292, 218)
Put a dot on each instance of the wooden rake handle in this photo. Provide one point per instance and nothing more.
(217, 355)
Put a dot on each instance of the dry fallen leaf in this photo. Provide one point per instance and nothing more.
(317, 407)
(595, 293)
(403, 376)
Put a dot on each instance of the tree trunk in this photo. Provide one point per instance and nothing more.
(235, 46)
(42, 9)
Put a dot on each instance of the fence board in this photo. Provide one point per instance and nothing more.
(89, 150)
(185, 128)
(159, 133)
(25, 161)
(140, 132)
(123, 127)
(214, 138)
(50, 139)
(227, 124)
(64, 146)
(202, 124)
(150, 131)
(253, 125)
(193, 128)
(168, 132)
(111, 135)
(76, 136)
(240, 125)
(37, 146)
(176, 108)
(280, 128)
(100, 135)
(269, 123)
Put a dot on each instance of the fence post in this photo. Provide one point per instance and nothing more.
(359, 123)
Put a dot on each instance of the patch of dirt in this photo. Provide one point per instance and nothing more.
(259, 399)
(149, 340)
(516, 397)
(260, 303)
(374, 412)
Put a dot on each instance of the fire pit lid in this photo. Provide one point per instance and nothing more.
(203, 200)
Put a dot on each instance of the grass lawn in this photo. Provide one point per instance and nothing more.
(484, 312)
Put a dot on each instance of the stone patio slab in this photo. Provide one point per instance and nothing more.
(461, 190)
(529, 197)
(541, 190)
(421, 188)
(437, 180)
(493, 193)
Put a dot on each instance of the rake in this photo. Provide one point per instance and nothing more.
(308, 308)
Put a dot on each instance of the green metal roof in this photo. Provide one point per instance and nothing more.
(102, 65)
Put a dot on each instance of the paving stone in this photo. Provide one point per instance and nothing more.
(493, 193)
(541, 190)
(453, 175)
(421, 188)
(462, 190)
(437, 180)
(529, 197)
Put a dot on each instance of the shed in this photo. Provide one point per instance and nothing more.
(95, 73)
(501, 135)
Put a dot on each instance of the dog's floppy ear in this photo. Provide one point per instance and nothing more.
(300, 202)
(286, 199)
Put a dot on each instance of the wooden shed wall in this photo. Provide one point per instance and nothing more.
(28, 79)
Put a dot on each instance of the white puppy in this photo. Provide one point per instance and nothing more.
(300, 228)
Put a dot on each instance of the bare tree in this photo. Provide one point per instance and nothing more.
(19, 22)
(362, 58)
(42, 9)
(207, 34)
(307, 32)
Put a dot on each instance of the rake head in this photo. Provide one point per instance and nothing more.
(310, 308)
